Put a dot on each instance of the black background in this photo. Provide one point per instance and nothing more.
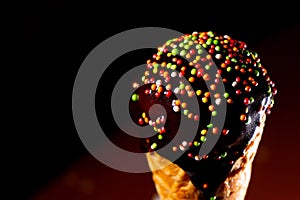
(50, 41)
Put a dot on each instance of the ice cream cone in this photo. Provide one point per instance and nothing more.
(173, 183)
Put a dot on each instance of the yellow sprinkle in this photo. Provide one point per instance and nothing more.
(203, 132)
(198, 92)
(208, 57)
(184, 105)
(204, 100)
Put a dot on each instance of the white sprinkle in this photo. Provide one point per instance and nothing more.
(176, 108)
(181, 148)
(158, 83)
(197, 158)
(135, 85)
(184, 143)
(173, 74)
(176, 90)
(218, 101)
(218, 56)
(234, 83)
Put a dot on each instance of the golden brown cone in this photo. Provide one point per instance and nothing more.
(173, 183)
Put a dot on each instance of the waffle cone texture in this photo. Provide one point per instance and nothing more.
(173, 183)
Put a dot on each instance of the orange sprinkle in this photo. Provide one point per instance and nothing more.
(192, 79)
(243, 117)
(229, 100)
(206, 77)
(217, 95)
(153, 87)
(215, 130)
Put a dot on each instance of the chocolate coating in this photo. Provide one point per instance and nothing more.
(249, 92)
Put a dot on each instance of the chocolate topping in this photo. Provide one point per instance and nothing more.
(208, 62)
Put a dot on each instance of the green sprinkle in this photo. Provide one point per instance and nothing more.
(169, 65)
(135, 97)
(269, 89)
(154, 146)
(186, 46)
(226, 95)
(186, 112)
(160, 137)
(181, 44)
(143, 78)
(207, 67)
(213, 198)
(181, 86)
(210, 125)
(210, 34)
(168, 42)
(203, 138)
(175, 52)
(248, 52)
(214, 113)
(196, 143)
(156, 65)
(233, 60)
(217, 48)
(209, 41)
(193, 71)
(256, 72)
(198, 46)
(159, 53)
(216, 42)
(255, 54)
(155, 70)
(228, 69)
(194, 38)
(204, 45)
(182, 53)
(272, 102)
(251, 99)
(173, 67)
(200, 51)
(223, 155)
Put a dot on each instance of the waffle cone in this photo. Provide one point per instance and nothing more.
(173, 183)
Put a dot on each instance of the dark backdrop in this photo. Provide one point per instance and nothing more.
(44, 156)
